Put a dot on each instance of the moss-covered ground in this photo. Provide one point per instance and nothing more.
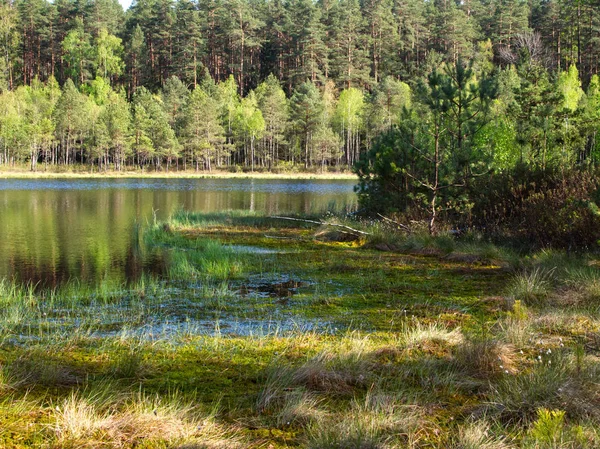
(268, 333)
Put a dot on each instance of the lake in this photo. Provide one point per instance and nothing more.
(57, 230)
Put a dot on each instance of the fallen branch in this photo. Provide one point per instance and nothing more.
(279, 237)
(355, 231)
(402, 226)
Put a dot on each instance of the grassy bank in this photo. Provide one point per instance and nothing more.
(283, 334)
(78, 172)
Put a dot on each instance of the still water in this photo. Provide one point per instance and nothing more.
(52, 231)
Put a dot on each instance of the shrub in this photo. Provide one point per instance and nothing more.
(538, 207)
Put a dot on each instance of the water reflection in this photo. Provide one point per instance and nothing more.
(56, 230)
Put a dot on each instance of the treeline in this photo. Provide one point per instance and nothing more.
(263, 84)
(207, 127)
(354, 43)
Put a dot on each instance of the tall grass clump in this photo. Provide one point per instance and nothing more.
(214, 262)
(486, 359)
(416, 334)
(90, 421)
(186, 219)
(554, 381)
(532, 287)
(560, 262)
(585, 281)
(378, 422)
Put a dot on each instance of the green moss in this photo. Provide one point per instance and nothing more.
(390, 326)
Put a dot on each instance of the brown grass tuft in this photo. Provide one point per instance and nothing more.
(81, 422)
(486, 359)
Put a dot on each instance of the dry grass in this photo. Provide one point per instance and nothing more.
(557, 380)
(487, 359)
(478, 435)
(300, 409)
(432, 337)
(84, 422)
(332, 373)
(339, 370)
(377, 423)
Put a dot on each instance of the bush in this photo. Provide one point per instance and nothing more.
(540, 207)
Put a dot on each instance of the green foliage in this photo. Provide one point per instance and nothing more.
(78, 53)
(203, 135)
(547, 430)
(569, 85)
(433, 153)
(365, 60)
(108, 53)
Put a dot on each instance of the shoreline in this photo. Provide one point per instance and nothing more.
(26, 174)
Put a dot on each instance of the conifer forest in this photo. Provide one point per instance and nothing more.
(271, 84)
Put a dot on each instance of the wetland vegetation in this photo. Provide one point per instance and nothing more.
(129, 320)
(274, 333)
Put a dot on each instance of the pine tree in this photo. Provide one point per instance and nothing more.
(414, 40)
(504, 20)
(383, 36)
(274, 107)
(308, 53)
(161, 34)
(104, 15)
(141, 129)
(116, 118)
(33, 21)
(534, 109)
(228, 103)
(306, 110)
(350, 59)
(389, 99)
(454, 30)
(9, 44)
(78, 54)
(203, 135)
(174, 96)
(243, 30)
(70, 118)
(136, 59)
(188, 43)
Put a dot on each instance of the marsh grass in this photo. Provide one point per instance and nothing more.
(533, 287)
(429, 337)
(412, 354)
(300, 408)
(553, 381)
(377, 422)
(478, 435)
(487, 359)
(95, 422)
